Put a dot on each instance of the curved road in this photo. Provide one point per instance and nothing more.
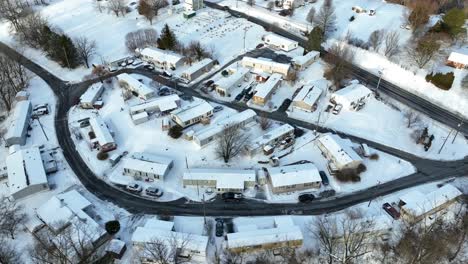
(67, 94)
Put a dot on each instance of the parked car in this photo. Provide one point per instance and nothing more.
(248, 96)
(219, 227)
(337, 109)
(123, 64)
(130, 61)
(149, 67)
(259, 46)
(324, 177)
(153, 191)
(167, 74)
(391, 211)
(239, 97)
(134, 187)
(39, 106)
(232, 197)
(218, 108)
(209, 83)
(306, 198)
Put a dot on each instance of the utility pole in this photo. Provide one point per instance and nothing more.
(245, 33)
(66, 56)
(378, 82)
(458, 129)
(445, 141)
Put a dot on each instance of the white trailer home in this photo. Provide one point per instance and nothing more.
(205, 136)
(163, 59)
(140, 118)
(267, 65)
(224, 85)
(104, 137)
(289, 4)
(302, 62)
(272, 137)
(264, 91)
(339, 152)
(294, 178)
(26, 173)
(198, 69)
(193, 5)
(351, 96)
(91, 95)
(16, 134)
(191, 247)
(278, 42)
(309, 95)
(129, 83)
(147, 165)
(163, 104)
(192, 113)
(222, 180)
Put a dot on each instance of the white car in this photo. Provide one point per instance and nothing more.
(134, 187)
(337, 109)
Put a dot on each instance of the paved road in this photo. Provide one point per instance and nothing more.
(68, 94)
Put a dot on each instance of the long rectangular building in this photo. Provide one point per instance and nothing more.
(222, 180)
(162, 58)
(16, 134)
(161, 104)
(207, 135)
(309, 95)
(103, 135)
(267, 65)
(192, 113)
(198, 69)
(263, 91)
(271, 137)
(294, 178)
(128, 82)
(338, 152)
(91, 95)
(224, 85)
(26, 173)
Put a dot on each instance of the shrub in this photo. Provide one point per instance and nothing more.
(351, 19)
(348, 175)
(112, 227)
(175, 132)
(374, 156)
(361, 168)
(91, 135)
(443, 81)
(102, 155)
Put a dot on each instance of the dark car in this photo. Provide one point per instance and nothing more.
(260, 46)
(232, 197)
(209, 83)
(219, 228)
(239, 97)
(391, 211)
(218, 108)
(247, 90)
(324, 177)
(248, 96)
(306, 198)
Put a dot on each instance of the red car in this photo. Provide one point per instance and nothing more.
(391, 211)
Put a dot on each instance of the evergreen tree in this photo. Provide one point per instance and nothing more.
(314, 39)
(454, 21)
(167, 39)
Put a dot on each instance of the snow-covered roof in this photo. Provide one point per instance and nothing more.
(279, 40)
(228, 82)
(25, 168)
(92, 93)
(248, 61)
(264, 89)
(115, 246)
(159, 224)
(135, 85)
(145, 166)
(142, 115)
(101, 131)
(310, 93)
(197, 66)
(231, 120)
(419, 203)
(193, 110)
(294, 174)
(273, 134)
(152, 158)
(225, 178)
(351, 93)
(61, 209)
(164, 103)
(301, 60)
(149, 233)
(263, 236)
(283, 221)
(20, 119)
(458, 58)
(342, 153)
(162, 55)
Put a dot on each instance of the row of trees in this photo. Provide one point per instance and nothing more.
(11, 219)
(13, 78)
(150, 8)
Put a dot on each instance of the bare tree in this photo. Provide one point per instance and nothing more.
(310, 15)
(265, 122)
(86, 49)
(98, 6)
(421, 10)
(149, 9)
(11, 217)
(424, 50)
(325, 230)
(339, 55)
(234, 257)
(376, 39)
(74, 244)
(230, 143)
(116, 6)
(412, 118)
(13, 11)
(140, 39)
(8, 253)
(392, 46)
(251, 2)
(270, 5)
(166, 251)
(326, 18)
